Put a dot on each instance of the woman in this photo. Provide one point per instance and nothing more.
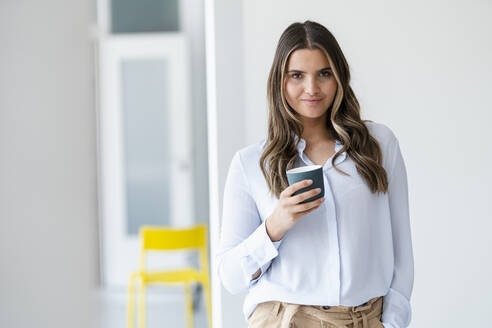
(344, 260)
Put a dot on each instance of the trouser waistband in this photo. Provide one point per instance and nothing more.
(339, 316)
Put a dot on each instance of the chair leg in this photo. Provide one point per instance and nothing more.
(197, 296)
(189, 306)
(208, 300)
(141, 304)
(130, 308)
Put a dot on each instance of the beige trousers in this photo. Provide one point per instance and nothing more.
(275, 314)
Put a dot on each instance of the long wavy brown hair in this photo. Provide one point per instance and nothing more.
(343, 120)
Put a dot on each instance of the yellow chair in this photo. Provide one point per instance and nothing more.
(155, 238)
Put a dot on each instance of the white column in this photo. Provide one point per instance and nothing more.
(225, 97)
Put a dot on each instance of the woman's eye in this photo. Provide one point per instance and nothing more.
(297, 76)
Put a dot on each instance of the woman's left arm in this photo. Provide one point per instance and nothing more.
(397, 311)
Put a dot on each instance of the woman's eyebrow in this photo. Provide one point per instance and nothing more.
(299, 71)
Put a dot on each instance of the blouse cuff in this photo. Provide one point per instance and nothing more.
(397, 312)
(259, 251)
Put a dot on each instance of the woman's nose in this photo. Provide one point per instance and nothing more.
(312, 86)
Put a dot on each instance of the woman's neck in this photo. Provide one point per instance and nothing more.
(315, 132)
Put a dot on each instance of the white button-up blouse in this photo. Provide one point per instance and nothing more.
(357, 245)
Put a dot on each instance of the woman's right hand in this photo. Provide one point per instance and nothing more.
(289, 211)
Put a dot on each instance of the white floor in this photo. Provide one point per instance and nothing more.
(165, 308)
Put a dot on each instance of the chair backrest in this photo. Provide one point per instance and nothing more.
(159, 238)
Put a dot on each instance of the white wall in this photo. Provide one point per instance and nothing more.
(193, 24)
(48, 227)
(226, 130)
(425, 70)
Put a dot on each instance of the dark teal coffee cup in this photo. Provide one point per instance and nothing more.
(312, 172)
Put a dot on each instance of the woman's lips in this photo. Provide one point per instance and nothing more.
(311, 101)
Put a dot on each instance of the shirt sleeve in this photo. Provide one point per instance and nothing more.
(244, 245)
(397, 312)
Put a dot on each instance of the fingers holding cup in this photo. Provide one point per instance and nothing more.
(297, 175)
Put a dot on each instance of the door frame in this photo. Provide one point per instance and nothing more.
(119, 251)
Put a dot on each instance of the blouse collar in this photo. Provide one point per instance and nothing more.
(302, 146)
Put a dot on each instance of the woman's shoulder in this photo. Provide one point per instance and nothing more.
(251, 153)
(382, 132)
(386, 139)
(247, 160)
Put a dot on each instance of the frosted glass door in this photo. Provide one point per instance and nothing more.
(146, 141)
(145, 150)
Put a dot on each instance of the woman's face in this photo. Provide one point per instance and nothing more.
(309, 77)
